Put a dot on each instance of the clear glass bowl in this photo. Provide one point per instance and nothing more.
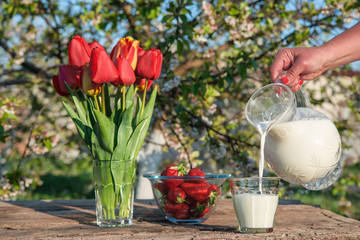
(201, 196)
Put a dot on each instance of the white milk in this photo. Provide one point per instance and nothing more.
(262, 162)
(255, 210)
(304, 150)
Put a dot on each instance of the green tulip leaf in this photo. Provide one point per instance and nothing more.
(106, 128)
(85, 104)
(137, 111)
(137, 138)
(149, 108)
(98, 152)
(84, 130)
(117, 100)
(107, 100)
(124, 133)
(117, 173)
(79, 107)
(129, 96)
(116, 116)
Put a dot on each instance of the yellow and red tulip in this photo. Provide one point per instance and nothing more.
(69, 75)
(88, 86)
(102, 69)
(149, 64)
(128, 48)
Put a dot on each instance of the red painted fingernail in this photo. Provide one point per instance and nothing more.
(301, 82)
(285, 80)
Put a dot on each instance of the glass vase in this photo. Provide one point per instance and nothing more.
(114, 182)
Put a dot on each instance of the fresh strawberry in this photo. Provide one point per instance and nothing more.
(173, 171)
(196, 172)
(196, 191)
(200, 210)
(161, 187)
(214, 188)
(183, 212)
(170, 207)
(176, 195)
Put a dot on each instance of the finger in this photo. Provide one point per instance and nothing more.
(280, 64)
(295, 71)
(297, 87)
(293, 82)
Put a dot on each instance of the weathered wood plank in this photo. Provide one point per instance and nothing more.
(75, 219)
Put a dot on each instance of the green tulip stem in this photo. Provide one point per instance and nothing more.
(103, 99)
(144, 97)
(97, 103)
(123, 89)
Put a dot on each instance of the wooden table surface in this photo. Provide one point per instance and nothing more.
(75, 219)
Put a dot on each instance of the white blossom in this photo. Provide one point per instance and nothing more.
(206, 120)
(212, 108)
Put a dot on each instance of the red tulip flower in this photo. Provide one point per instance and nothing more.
(128, 48)
(67, 74)
(126, 73)
(149, 64)
(140, 84)
(102, 69)
(79, 51)
(88, 86)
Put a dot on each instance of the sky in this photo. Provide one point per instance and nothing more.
(194, 11)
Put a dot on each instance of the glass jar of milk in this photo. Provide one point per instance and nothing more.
(300, 144)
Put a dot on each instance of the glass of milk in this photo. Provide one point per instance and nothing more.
(255, 202)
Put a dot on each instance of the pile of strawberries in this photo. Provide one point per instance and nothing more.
(186, 198)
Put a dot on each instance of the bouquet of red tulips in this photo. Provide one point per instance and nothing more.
(110, 115)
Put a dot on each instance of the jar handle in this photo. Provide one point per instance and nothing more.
(302, 100)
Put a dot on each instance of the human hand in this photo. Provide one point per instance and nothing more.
(295, 65)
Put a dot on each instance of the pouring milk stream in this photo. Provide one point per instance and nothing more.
(300, 144)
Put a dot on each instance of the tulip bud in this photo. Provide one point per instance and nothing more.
(102, 69)
(67, 74)
(88, 86)
(140, 84)
(126, 73)
(79, 51)
(149, 64)
(128, 48)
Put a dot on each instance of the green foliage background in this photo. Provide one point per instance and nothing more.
(216, 54)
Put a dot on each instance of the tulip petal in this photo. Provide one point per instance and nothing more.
(102, 68)
(126, 73)
(158, 64)
(88, 86)
(95, 44)
(79, 51)
(66, 74)
(126, 47)
(148, 64)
